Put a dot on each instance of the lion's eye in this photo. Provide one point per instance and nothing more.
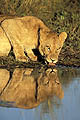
(48, 48)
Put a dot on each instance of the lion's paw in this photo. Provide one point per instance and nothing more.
(22, 59)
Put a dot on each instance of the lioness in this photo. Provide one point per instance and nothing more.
(25, 34)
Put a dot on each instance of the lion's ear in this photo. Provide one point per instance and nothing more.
(63, 36)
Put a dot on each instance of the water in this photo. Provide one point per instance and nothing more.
(40, 94)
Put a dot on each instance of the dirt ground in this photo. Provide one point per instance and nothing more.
(59, 15)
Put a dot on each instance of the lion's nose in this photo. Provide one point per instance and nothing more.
(53, 61)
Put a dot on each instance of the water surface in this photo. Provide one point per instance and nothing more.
(40, 94)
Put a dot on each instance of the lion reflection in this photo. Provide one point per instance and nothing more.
(29, 87)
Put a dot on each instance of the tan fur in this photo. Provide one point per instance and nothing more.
(28, 33)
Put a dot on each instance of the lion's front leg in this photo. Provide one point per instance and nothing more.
(19, 53)
(31, 55)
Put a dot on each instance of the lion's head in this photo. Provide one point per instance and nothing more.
(50, 45)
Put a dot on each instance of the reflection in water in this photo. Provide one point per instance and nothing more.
(27, 88)
(4, 77)
(42, 90)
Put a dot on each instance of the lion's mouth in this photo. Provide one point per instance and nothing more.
(53, 62)
(50, 61)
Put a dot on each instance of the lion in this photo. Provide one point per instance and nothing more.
(26, 34)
